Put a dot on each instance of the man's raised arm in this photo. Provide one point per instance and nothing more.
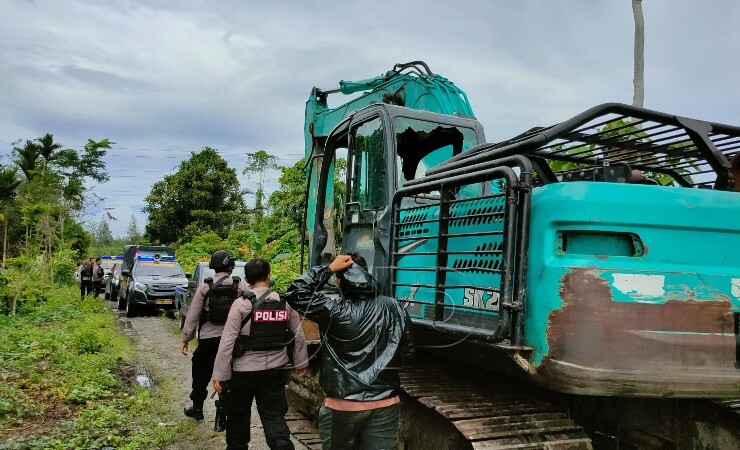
(304, 294)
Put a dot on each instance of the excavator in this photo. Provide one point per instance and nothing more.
(574, 286)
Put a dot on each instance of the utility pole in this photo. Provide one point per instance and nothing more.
(638, 97)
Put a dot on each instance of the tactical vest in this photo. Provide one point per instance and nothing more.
(269, 329)
(86, 273)
(220, 297)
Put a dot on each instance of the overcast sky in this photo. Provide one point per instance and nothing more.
(163, 78)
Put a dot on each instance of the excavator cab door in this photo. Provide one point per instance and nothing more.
(366, 217)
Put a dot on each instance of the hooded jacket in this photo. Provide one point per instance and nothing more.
(363, 335)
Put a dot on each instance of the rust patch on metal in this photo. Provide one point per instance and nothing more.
(660, 341)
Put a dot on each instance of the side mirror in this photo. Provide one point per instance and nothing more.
(353, 212)
(272, 282)
(352, 207)
(126, 273)
(188, 275)
(192, 284)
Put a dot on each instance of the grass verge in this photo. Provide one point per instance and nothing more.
(66, 381)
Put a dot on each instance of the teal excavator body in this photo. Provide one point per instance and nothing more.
(599, 253)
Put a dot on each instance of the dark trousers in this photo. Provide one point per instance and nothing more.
(85, 288)
(374, 429)
(96, 287)
(203, 358)
(267, 387)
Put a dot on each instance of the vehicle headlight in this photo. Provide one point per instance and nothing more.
(140, 286)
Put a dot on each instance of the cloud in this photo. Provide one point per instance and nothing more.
(162, 79)
(103, 80)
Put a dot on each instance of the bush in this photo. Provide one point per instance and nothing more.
(199, 249)
(65, 266)
(66, 352)
(87, 342)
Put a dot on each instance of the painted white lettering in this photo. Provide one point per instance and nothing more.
(479, 298)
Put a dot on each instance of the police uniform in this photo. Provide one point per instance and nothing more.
(258, 374)
(209, 337)
(86, 273)
(97, 278)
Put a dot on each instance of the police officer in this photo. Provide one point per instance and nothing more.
(264, 324)
(98, 273)
(207, 314)
(85, 273)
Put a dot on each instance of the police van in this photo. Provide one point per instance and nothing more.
(149, 281)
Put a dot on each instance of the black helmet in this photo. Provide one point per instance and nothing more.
(221, 260)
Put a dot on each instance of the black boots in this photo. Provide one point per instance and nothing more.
(194, 412)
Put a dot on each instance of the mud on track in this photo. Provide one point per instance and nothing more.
(156, 339)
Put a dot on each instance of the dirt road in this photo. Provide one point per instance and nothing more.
(156, 342)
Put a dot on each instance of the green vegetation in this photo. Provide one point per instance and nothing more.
(66, 383)
(203, 195)
(272, 231)
(43, 193)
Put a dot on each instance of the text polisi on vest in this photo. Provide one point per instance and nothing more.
(271, 316)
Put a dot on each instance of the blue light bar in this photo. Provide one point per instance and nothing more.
(154, 258)
(117, 257)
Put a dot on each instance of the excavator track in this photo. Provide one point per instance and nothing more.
(493, 412)
(450, 405)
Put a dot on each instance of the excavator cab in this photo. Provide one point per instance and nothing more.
(386, 146)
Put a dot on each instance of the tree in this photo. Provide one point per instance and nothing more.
(259, 163)
(9, 182)
(47, 146)
(54, 181)
(638, 81)
(287, 203)
(27, 158)
(202, 195)
(133, 235)
(101, 233)
(75, 167)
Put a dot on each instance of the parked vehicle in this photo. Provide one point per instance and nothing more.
(112, 281)
(107, 265)
(184, 295)
(151, 282)
(131, 252)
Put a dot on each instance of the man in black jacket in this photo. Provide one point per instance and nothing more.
(363, 337)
